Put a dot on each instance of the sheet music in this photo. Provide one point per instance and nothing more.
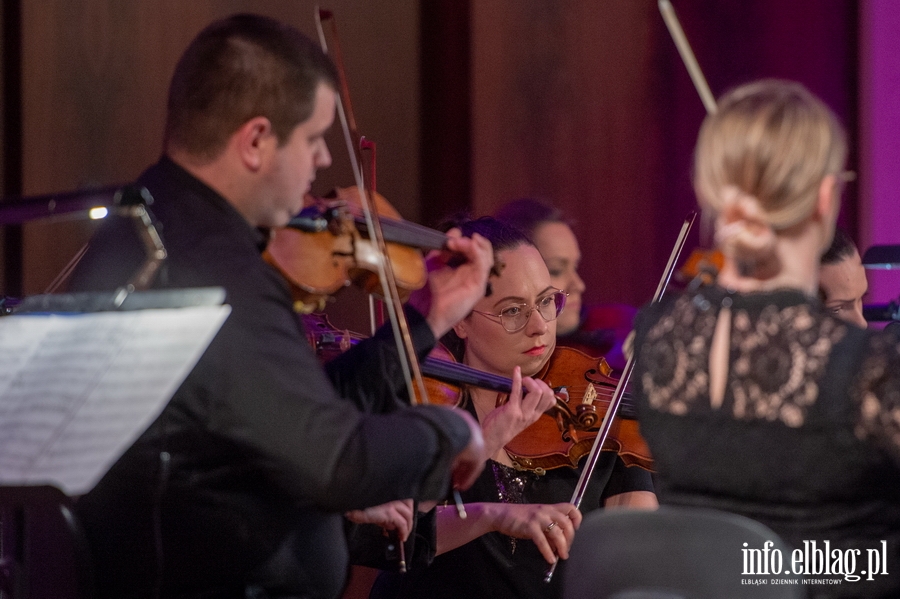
(77, 390)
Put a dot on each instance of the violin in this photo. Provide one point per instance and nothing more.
(584, 387)
(329, 342)
(702, 266)
(560, 437)
(327, 246)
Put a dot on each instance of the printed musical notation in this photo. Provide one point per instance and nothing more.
(77, 390)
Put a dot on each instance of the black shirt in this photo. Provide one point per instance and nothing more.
(259, 451)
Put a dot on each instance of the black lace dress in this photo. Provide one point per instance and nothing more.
(806, 437)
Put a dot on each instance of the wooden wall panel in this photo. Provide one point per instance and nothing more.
(563, 111)
(95, 80)
(588, 105)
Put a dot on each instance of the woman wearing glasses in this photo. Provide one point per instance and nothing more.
(598, 330)
(518, 522)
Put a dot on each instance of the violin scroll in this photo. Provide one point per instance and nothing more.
(327, 246)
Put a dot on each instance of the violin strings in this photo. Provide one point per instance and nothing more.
(582, 389)
(604, 397)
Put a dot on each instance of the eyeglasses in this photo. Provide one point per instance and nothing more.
(514, 318)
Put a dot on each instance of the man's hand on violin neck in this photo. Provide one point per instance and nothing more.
(454, 290)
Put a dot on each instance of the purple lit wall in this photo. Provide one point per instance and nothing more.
(879, 182)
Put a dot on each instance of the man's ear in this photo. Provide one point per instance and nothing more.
(255, 140)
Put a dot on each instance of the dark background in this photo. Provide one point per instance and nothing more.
(583, 103)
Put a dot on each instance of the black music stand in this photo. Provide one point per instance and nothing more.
(43, 551)
(84, 375)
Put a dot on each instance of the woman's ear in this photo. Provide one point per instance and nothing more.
(460, 329)
(828, 204)
(829, 200)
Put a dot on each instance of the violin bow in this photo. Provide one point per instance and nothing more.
(693, 67)
(616, 400)
(687, 55)
(408, 361)
(709, 102)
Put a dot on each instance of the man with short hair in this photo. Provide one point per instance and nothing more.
(236, 490)
(842, 280)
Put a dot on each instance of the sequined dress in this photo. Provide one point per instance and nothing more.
(806, 438)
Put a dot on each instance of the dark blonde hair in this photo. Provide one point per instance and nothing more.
(759, 163)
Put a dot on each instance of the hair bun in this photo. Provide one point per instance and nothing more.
(744, 233)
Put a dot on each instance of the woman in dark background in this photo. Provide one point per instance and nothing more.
(519, 520)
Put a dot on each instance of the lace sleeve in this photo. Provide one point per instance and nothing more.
(877, 393)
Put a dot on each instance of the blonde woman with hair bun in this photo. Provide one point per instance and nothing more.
(769, 165)
(753, 398)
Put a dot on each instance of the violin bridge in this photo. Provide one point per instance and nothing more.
(589, 395)
(346, 341)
